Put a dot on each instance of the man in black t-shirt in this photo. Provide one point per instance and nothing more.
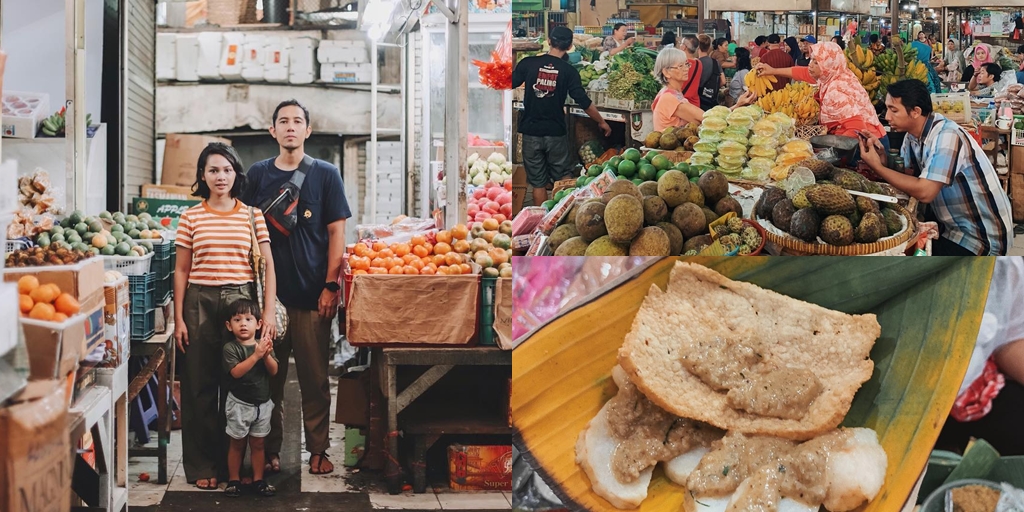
(308, 274)
(549, 79)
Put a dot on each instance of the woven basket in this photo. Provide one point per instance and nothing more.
(224, 13)
(794, 246)
(249, 13)
(811, 130)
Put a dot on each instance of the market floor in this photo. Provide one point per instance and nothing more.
(345, 489)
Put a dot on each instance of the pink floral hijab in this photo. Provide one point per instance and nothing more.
(982, 55)
(840, 93)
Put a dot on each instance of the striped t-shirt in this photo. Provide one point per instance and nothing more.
(220, 242)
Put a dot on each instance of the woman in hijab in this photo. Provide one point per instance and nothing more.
(794, 48)
(953, 63)
(846, 108)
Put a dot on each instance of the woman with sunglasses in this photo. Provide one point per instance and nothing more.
(678, 103)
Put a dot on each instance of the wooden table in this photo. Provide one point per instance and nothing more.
(165, 379)
(428, 428)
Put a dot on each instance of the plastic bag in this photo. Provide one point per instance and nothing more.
(717, 111)
(709, 135)
(555, 216)
(401, 231)
(732, 149)
(767, 152)
(731, 162)
(1011, 500)
(701, 158)
(714, 123)
(527, 220)
(737, 136)
(706, 146)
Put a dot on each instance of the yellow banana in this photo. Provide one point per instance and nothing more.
(869, 59)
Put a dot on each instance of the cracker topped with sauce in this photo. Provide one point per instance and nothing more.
(746, 359)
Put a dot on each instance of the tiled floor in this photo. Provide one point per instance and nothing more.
(1018, 246)
(345, 489)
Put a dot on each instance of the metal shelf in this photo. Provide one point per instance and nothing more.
(609, 114)
(389, 89)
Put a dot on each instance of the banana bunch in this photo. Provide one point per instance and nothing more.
(759, 84)
(869, 79)
(796, 100)
(886, 62)
(917, 70)
(55, 124)
(860, 58)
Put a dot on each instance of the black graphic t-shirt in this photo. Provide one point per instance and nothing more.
(548, 81)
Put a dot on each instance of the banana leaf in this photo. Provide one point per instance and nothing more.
(930, 311)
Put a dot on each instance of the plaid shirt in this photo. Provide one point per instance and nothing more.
(972, 207)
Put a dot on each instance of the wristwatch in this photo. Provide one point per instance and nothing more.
(332, 287)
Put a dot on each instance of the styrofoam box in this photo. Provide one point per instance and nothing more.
(302, 60)
(342, 51)
(187, 51)
(346, 73)
(8, 317)
(22, 113)
(209, 55)
(166, 56)
(275, 59)
(252, 58)
(231, 56)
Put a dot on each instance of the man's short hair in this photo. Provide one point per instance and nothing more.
(993, 69)
(690, 42)
(873, 38)
(912, 93)
(759, 40)
(561, 38)
(290, 103)
(774, 39)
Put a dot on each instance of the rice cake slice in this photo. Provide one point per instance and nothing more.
(700, 304)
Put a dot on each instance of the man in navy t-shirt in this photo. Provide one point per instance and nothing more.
(308, 268)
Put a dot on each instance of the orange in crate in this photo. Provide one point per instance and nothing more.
(480, 468)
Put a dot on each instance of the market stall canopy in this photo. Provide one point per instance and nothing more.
(845, 6)
(974, 3)
(764, 5)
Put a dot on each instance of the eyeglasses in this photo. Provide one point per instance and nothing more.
(680, 66)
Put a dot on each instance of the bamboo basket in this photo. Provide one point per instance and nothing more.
(224, 13)
(810, 130)
(794, 246)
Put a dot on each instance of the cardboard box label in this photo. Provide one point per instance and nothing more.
(172, 208)
(180, 156)
(480, 468)
(35, 454)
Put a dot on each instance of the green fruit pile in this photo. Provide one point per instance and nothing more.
(666, 217)
(827, 212)
(129, 235)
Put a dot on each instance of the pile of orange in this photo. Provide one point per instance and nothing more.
(45, 301)
(419, 256)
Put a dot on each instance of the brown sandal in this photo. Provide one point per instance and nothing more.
(320, 464)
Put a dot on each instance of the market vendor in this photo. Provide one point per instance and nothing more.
(678, 103)
(983, 83)
(845, 106)
(618, 41)
(549, 79)
(950, 174)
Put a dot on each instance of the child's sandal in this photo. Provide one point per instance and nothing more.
(264, 489)
(234, 489)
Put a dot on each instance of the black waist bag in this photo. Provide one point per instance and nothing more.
(281, 211)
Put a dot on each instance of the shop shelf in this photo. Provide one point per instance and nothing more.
(142, 292)
(128, 265)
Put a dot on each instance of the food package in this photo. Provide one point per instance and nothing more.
(731, 162)
(759, 140)
(522, 242)
(718, 111)
(752, 174)
(709, 135)
(480, 468)
(798, 146)
(759, 165)
(755, 112)
(732, 149)
(701, 158)
(737, 136)
(792, 158)
(766, 152)
(706, 146)
(539, 247)
(714, 123)
(780, 172)
(554, 217)
(527, 220)
(766, 128)
(740, 117)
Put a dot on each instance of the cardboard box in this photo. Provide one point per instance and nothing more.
(503, 312)
(302, 60)
(346, 73)
(180, 156)
(53, 349)
(415, 323)
(117, 327)
(355, 446)
(151, 191)
(83, 280)
(35, 452)
(353, 405)
(275, 59)
(480, 468)
(22, 113)
(94, 330)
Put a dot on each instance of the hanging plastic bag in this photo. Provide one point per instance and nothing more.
(497, 74)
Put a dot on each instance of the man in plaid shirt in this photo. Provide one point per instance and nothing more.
(951, 174)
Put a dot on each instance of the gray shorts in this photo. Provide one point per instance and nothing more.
(246, 419)
(546, 159)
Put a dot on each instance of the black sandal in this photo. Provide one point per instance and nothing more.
(234, 489)
(264, 489)
(320, 464)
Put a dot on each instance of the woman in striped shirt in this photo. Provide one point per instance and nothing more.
(213, 270)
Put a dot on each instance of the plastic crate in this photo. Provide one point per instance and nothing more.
(486, 326)
(162, 247)
(1016, 134)
(142, 292)
(143, 325)
(128, 265)
(161, 266)
(164, 288)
